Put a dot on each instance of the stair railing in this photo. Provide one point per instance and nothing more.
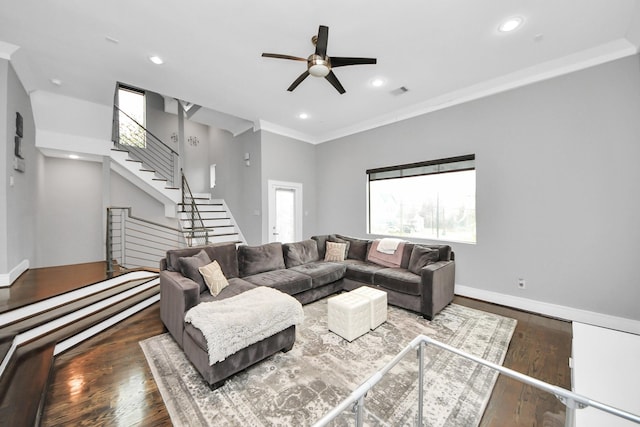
(137, 243)
(131, 136)
(196, 233)
(355, 401)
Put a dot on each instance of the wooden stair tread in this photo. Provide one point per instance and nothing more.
(22, 385)
(5, 345)
(64, 309)
(24, 380)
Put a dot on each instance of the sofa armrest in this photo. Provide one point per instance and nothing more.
(438, 282)
(177, 295)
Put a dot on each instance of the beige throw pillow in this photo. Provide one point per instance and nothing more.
(214, 278)
(335, 251)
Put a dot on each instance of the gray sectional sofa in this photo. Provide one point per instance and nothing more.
(297, 269)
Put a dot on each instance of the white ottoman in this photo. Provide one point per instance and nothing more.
(378, 302)
(349, 315)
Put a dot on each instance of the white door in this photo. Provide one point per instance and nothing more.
(285, 211)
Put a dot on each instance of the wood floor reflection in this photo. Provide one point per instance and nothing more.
(106, 379)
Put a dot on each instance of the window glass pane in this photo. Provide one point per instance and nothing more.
(285, 215)
(439, 206)
(131, 117)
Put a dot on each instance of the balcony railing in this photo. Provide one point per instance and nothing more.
(352, 409)
(134, 242)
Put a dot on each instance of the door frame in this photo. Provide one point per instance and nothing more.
(272, 186)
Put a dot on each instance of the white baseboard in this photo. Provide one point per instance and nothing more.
(552, 310)
(7, 279)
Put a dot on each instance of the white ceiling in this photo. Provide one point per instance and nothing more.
(443, 51)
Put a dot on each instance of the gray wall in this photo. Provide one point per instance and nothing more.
(70, 217)
(4, 166)
(557, 185)
(287, 159)
(249, 216)
(226, 154)
(194, 158)
(18, 201)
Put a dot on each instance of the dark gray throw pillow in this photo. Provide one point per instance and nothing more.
(189, 267)
(421, 257)
(357, 249)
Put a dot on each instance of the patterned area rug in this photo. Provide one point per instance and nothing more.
(297, 388)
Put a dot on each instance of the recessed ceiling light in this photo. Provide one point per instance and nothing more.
(377, 82)
(56, 82)
(156, 60)
(510, 24)
(303, 116)
(74, 156)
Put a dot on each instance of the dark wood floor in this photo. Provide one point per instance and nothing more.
(106, 380)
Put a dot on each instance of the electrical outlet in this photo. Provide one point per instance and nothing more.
(522, 284)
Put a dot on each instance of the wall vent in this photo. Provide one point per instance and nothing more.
(399, 91)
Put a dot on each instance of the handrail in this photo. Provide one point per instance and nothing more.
(196, 219)
(570, 399)
(144, 146)
(148, 131)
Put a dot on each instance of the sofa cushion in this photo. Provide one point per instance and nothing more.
(288, 281)
(213, 277)
(361, 271)
(321, 272)
(406, 255)
(421, 257)
(258, 259)
(224, 253)
(189, 267)
(335, 252)
(236, 286)
(321, 242)
(398, 279)
(299, 253)
(358, 248)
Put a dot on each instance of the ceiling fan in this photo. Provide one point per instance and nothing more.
(319, 64)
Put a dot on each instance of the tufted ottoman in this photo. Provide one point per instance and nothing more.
(378, 302)
(349, 315)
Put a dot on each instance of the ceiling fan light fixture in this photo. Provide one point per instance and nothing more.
(318, 66)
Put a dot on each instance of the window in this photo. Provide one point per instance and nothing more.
(429, 200)
(131, 117)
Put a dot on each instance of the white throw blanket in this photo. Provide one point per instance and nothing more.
(234, 323)
(388, 245)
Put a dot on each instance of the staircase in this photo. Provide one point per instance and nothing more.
(145, 178)
(138, 243)
(219, 225)
(154, 167)
(32, 335)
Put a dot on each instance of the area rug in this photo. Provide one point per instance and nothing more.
(299, 387)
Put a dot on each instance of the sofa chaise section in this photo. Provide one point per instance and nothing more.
(426, 290)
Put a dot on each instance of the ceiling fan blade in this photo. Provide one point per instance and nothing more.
(321, 43)
(334, 81)
(279, 56)
(343, 61)
(298, 81)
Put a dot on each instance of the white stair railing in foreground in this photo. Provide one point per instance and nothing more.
(571, 400)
